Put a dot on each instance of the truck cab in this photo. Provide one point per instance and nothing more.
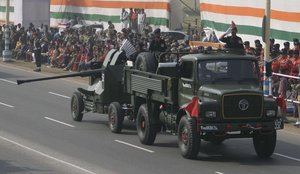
(228, 87)
(231, 103)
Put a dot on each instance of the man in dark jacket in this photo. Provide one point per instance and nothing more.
(232, 41)
(157, 44)
(37, 54)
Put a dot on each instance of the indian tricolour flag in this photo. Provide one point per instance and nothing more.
(92, 11)
(248, 16)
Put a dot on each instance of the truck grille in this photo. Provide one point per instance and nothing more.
(242, 106)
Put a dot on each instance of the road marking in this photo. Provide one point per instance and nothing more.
(46, 155)
(4, 80)
(66, 124)
(288, 157)
(137, 147)
(60, 95)
(216, 172)
(6, 105)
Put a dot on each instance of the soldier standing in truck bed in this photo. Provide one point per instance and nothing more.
(232, 41)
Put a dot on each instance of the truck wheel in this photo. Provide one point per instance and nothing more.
(188, 138)
(145, 62)
(115, 117)
(145, 129)
(77, 106)
(264, 144)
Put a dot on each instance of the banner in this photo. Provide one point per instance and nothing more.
(92, 11)
(248, 16)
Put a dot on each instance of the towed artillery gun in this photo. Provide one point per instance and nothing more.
(211, 96)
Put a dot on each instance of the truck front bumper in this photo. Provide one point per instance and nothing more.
(242, 126)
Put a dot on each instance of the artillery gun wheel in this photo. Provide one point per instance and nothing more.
(145, 128)
(188, 138)
(145, 61)
(115, 117)
(264, 143)
(77, 106)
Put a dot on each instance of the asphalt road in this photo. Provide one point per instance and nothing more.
(38, 135)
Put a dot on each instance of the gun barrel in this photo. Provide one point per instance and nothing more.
(81, 74)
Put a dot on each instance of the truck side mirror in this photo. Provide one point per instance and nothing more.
(269, 69)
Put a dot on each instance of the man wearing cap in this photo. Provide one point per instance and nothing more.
(249, 50)
(232, 41)
(157, 44)
(296, 44)
(259, 51)
(286, 46)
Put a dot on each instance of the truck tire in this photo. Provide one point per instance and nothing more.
(264, 144)
(145, 128)
(115, 117)
(188, 138)
(77, 106)
(145, 61)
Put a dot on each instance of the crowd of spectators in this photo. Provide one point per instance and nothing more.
(284, 61)
(73, 49)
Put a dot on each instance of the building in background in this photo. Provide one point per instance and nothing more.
(3, 11)
(26, 11)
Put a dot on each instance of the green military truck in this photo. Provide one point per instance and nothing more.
(211, 96)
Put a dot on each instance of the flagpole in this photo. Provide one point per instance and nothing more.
(267, 45)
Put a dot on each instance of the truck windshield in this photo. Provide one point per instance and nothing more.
(239, 70)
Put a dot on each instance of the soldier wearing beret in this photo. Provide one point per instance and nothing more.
(231, 39)
(157, 44)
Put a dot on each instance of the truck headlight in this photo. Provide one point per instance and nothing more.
(210, 114)
(271, 113)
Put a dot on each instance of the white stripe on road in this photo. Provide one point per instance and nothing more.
(137, 147)
(66, 124)
(288, 157)
(46, 155)
(4, 80)
(216, 172)
(4, 104)
(60, 95)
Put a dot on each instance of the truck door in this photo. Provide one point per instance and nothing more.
(186, 84)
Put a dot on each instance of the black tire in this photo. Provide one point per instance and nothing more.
(145, 128)
(115, 117)
(77, 106)
(264, 143)
(188, 138)
(146, 62)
